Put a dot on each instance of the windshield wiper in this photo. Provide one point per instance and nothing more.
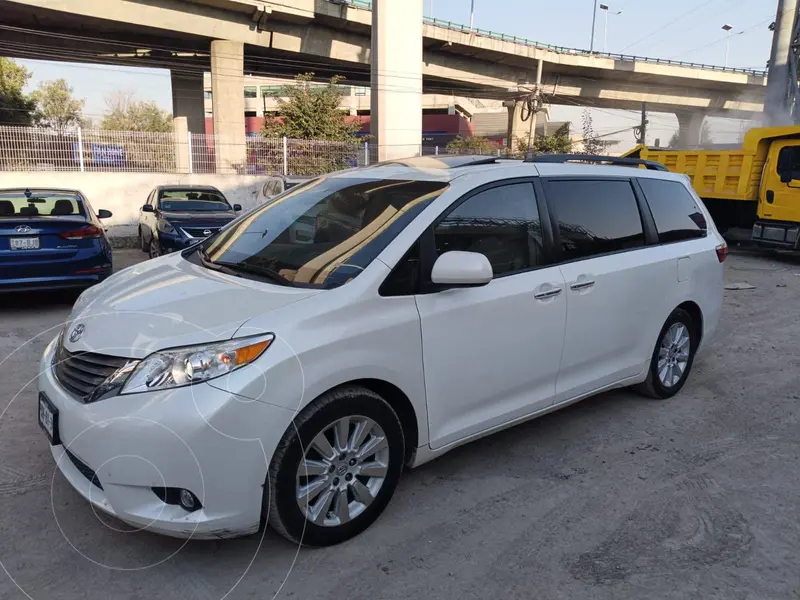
(238, 269)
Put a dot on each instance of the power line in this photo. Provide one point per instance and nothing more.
(663, 27)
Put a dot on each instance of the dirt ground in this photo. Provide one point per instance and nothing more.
(616, 497)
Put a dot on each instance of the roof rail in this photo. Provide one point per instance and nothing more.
(596, 158)
(443, 161)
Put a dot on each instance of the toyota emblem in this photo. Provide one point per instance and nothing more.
(206, 232)
(23, 229)
(76, 332)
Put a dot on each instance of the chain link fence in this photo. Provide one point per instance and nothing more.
(91, 150)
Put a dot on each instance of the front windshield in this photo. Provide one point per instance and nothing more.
(193, 201)
(324, 233)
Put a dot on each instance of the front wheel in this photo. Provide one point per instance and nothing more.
(155, 248)
(673, 356)
(336, 468)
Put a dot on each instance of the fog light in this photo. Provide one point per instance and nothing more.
(188, 501)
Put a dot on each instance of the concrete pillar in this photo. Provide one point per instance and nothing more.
(227, 95)
(396, 78)
(690, 128)
(187, 100)
(517, 128)
(181, 129)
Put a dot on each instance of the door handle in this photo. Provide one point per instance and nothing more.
(551, 293)
(770, 196)
(581, 285)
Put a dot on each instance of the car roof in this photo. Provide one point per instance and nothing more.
(35, 190)
(173, 187)
(448, 168)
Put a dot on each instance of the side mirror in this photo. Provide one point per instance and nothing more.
(462, 269)
(237, 207)
(104, 214)
(147, 208)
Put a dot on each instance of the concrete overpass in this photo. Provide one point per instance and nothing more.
(231, 37)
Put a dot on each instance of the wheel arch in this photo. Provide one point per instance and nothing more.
(696, 313)
(400, 403)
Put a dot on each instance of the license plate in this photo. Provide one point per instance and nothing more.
(48, 419)
(25, 243)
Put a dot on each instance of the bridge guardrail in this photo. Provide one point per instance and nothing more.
(367, 5)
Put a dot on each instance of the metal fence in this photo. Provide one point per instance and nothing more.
(367, 5)
(45, 149)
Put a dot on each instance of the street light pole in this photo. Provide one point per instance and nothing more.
(727, 28)
(605, 8)
(594, 22)
(471, 14)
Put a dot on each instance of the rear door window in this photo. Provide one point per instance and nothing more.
(674, 210)
(594, 216)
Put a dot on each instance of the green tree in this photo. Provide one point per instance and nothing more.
(311, 112)
(16, 107)
(557, 143)
(55, 106)
(592, 144)
(125, 113)
(471, 145)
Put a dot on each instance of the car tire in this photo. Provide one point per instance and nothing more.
(142, 244)
(153, 249)
(335, 511)
(672, 357)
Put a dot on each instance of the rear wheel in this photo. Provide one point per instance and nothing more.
(336, 468)
(673, 356)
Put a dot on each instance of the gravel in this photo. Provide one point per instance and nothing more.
(616, 497)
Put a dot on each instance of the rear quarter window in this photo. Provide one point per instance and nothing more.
(675, 212)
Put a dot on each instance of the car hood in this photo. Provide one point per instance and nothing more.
(169, 302)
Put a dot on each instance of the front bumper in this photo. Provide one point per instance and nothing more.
(200, 438)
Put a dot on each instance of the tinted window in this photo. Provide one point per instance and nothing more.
(789, 161)
(674, 210)
(324, 233)
(501, 223)
(595, 217)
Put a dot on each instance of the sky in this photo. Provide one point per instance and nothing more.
(689, 30)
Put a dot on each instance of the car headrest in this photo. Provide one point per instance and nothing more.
(29, 211)
(62, 207)
(6, 208)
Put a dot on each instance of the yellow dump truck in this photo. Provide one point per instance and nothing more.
(756, 185)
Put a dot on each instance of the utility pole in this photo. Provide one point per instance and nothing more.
(778, 80)
(536, 100)
(641, 130)
(594, 22)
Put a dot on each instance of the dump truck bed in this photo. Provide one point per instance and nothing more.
(730, 174)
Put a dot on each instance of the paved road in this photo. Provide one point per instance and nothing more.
(616, 497)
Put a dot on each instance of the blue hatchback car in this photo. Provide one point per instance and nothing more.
(51, 238)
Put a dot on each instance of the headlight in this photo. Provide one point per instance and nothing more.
(178, 367)
(165, 227)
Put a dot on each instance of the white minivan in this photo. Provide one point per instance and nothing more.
(258, 379)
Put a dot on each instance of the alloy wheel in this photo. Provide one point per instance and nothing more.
(342, 471)
(673, 354)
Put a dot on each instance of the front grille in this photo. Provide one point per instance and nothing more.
(198, 232)
(81, 373)
(85, 470)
